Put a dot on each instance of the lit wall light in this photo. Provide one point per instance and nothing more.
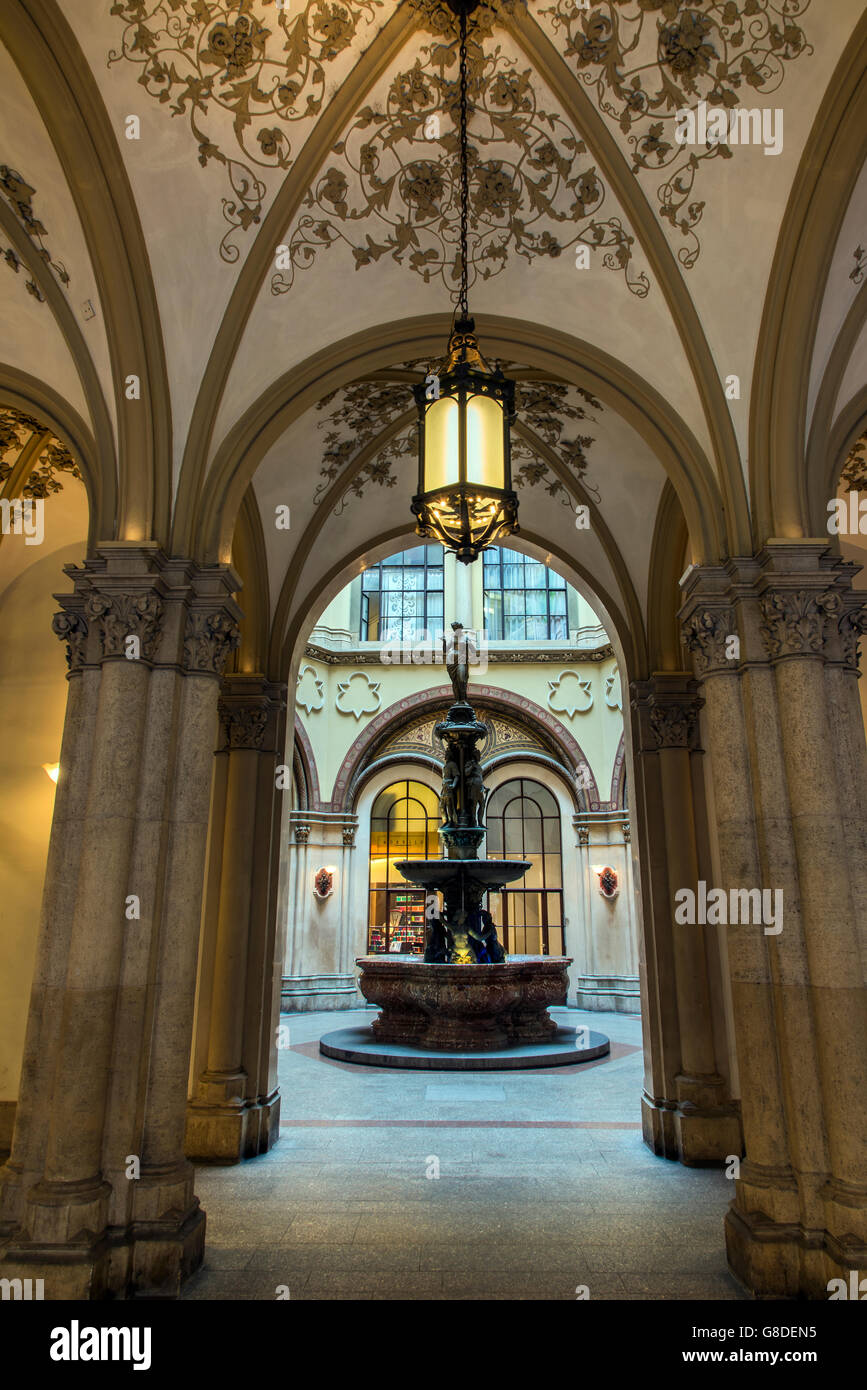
(53, 770)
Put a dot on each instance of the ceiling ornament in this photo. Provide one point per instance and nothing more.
(19, 196)
(854, 474)
(644, 60)
(241, 78)
(365, 408)
(393, 188)
(546, 407)
(16, 432)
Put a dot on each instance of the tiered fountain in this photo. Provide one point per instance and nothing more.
(465, 1005)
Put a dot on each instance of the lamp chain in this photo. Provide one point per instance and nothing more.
(465, 178)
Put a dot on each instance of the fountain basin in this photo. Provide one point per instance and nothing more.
(439, 874)
(464, 1008)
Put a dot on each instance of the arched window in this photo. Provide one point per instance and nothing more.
(404, 821)
(523, 821)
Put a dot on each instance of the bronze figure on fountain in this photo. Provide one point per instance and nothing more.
(465, 933)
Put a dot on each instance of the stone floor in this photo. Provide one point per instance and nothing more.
(543, 1186)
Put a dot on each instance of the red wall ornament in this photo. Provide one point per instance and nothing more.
(608, 885)
(323, 883)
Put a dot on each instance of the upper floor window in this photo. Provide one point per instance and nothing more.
(525, 601)
(403, 596)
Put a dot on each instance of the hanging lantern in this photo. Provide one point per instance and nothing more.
(465, 498)
(465, 410)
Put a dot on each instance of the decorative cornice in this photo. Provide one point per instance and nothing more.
(118, 616)
(355, 656)
(210, 639)
(71, 628)
(794, 622)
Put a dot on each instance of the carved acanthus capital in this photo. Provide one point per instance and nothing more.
(706, 634)
(119, 616)
(794, 621)
(674, 725)
(583, 835)
(210, 639)
(302, 833)
(243, 726)
(349, 836)
(71, 628)
(853, 626)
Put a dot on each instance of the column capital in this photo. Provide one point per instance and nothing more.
(852, 626)
(796, 622)
(667, 707)
(70, 626)
(249, 709)
(791, 599)
(180, 613)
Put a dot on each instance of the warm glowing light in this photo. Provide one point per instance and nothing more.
(53, 770)
(485, 442)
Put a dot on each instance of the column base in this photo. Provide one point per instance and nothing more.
(224, 1133)
(774, 1259)
(146, 1260)
(695, 1135)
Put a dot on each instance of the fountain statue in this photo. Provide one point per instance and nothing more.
(464, 934)
(465, 997)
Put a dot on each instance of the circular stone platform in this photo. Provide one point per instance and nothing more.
(562, 1050)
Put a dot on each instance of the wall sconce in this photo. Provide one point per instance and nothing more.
(608, 885)
(323, 882)
(53, 770)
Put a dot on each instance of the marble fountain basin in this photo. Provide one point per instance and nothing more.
(464, 1008)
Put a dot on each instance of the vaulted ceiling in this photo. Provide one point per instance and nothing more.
(252, 209)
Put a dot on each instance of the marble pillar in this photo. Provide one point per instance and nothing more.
(235, 1109)
(688, 1111)
(97, 1198)
(780, 720)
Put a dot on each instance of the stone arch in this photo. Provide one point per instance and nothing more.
(617, 798)
(306, 760)
(34, 397)
(190, 534)
(63, 87)
(833, 157)
(408, 709)
(564, 356)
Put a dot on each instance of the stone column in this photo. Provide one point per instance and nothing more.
(98, 1199)
(234, 1113)
(698, 1120)
(801, 606)
(798, 1217)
